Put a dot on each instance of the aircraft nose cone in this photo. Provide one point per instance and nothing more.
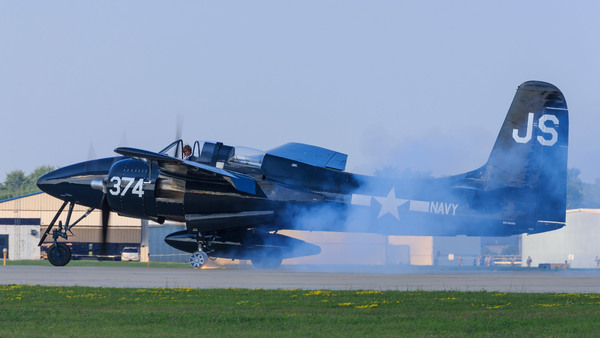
(44, 182)
(74, 183)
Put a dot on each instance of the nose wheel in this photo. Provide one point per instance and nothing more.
(59, 254)
(198, 259)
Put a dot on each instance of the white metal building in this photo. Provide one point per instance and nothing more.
(577, 243)
(20, 241)
(24, 218)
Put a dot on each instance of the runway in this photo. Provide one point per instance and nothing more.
(583, 281)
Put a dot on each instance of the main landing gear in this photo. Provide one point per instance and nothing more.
(263, 253)
(198, 259)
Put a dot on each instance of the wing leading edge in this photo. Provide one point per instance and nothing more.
(192, 170)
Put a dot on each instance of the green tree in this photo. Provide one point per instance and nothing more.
(591, 195)
(17, 184)
(31, 181)
(581, 194)
(575, 189)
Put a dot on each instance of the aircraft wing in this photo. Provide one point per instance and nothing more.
(192, 169)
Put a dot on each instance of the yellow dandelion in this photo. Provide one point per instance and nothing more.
(369, 292)
(318, 293)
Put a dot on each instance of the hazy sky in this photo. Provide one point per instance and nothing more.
(423, 85)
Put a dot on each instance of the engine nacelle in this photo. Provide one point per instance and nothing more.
(130, 190)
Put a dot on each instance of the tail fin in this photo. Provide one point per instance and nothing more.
(530, 156)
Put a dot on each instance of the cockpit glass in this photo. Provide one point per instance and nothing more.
(174, 149)
(213, 153)
(248, 156)
(197, 148)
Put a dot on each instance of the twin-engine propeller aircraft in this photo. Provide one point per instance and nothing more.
(233, 201)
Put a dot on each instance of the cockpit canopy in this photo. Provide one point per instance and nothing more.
(248, 156)
(174, 149)
(216, 154)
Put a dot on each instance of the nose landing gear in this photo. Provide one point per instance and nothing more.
(59, 254)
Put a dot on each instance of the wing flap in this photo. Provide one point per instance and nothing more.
(212, 222)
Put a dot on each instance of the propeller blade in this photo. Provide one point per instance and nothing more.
(91, 152)
(105, 218)
(123, 142)
(179, 127)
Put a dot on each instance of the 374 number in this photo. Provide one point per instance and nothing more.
(117, 190)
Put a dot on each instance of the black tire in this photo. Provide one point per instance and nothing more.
(59, 255)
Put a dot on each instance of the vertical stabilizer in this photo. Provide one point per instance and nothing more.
(530, 155)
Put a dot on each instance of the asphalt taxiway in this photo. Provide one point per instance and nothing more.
(586, 281)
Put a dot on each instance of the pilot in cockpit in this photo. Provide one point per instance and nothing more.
(187, 152)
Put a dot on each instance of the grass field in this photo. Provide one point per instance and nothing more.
(82, 311)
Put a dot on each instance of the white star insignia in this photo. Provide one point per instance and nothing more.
(390, 204)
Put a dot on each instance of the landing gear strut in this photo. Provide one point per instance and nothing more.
(200, 256)
(59, 254)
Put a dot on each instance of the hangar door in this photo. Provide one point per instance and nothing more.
(3, 245)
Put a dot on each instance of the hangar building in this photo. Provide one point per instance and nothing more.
(577, 243)
(24, 219)
(374, 249)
